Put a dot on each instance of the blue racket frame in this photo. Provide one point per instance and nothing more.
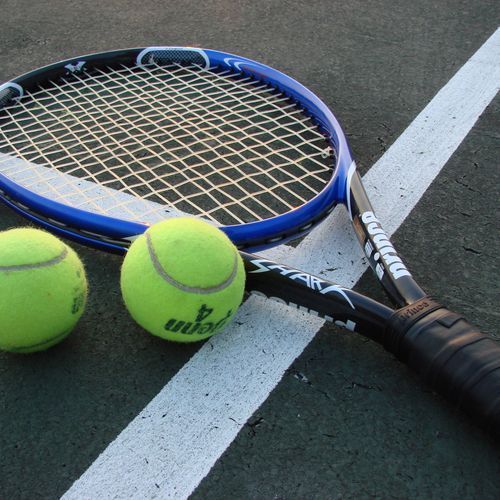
(252, 236)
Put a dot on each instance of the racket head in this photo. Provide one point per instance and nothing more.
(105, 230)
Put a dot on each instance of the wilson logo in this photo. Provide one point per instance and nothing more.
(199, 326)
(383, 251)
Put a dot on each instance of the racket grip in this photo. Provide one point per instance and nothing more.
(452, 357)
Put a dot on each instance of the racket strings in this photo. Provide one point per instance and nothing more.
(211, 143)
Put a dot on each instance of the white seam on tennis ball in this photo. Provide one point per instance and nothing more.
(185, 288)
(48, 263)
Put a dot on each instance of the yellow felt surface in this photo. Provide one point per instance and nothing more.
(164, 309)
(26, 245)
(38, 307)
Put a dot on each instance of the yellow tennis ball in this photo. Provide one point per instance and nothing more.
(43, 290)
(182, 280)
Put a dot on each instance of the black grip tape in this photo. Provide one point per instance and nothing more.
(452, 357)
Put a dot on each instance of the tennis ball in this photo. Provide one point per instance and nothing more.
(182, 280)
(43, 290)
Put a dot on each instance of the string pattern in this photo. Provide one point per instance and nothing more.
(138, 142)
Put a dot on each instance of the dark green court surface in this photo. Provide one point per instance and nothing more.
(347, 420)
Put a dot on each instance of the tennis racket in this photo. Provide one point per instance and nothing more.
(99, 147)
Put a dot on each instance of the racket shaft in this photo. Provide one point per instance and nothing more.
(328, 300)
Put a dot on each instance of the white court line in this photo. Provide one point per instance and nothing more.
(173, 443)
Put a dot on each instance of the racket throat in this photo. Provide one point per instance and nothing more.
(311, 294)
(380, 252)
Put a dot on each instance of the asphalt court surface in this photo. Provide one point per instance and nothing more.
(347, 420)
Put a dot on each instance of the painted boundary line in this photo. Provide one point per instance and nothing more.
(173, 443)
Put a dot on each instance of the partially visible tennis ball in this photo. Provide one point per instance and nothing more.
(182, 280)
(43, 290)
